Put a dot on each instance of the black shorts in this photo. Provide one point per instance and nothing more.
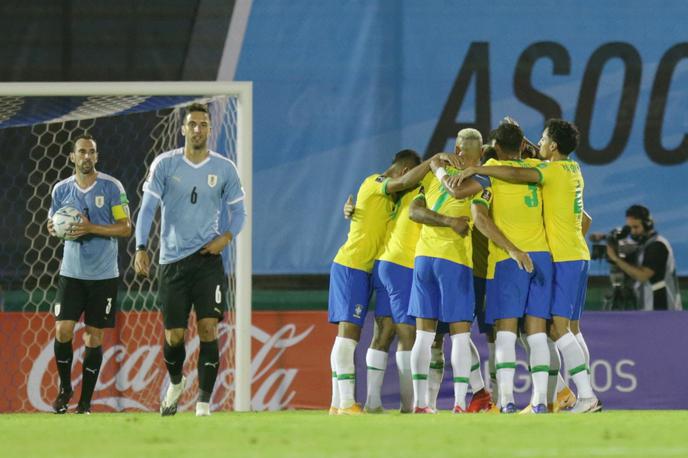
(96, 299)
(197, 280)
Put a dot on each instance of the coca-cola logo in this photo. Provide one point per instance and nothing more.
(136, 375)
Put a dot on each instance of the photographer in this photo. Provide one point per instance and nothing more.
(656, 284)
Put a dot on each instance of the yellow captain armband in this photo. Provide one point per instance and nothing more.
(120, 212)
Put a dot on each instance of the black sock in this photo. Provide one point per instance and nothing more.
(63, 358)
(208, 363)
(174, 360)
(93, 357)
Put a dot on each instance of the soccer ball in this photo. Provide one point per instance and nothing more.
(63, 220)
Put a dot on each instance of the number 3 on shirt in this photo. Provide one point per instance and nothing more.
(531, 200)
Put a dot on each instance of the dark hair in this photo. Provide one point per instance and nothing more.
(638, 212)
(82, 136)
(197, 107)
(488, 153)
(407, 157)
(564, 133)
(509, 137)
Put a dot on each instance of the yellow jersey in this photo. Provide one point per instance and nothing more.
(443, 242)
(562, 190)
(401, 243)
(369, 224)
(516, 210)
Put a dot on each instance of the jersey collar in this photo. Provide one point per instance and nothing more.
(84, 191)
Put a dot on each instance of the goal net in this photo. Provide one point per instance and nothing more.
(132, 123)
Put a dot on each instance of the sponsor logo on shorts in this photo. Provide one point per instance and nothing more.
(58, 306)
(358, 309)
(108, 307)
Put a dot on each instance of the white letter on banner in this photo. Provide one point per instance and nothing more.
(626, 376)
(608, 375)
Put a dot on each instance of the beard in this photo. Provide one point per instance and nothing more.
(86, 168)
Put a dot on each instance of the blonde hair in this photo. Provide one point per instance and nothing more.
(469, 134)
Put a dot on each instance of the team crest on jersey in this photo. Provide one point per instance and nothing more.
(100, 201)
(212, 180)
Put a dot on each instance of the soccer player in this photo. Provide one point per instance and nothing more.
(562, 190)
(350, 275)
(442, 288)
(513, 293)
(192, 184)
(89, 275)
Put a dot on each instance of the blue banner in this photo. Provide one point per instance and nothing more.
(342, 86)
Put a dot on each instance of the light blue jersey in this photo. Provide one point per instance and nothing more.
(91, 257)
(192, 196)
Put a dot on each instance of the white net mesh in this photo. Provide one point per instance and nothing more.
(133, 374)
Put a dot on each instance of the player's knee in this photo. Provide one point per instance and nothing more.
(207, 330)
(558, 328)
(174, 337)
(64, 331)
(93, 337)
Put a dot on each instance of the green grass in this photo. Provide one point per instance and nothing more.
(308, 433)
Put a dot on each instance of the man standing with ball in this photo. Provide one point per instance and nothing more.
(89, 274)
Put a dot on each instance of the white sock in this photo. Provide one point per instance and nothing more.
(586, 353)
(333, 366)
(435, 376)
(539, 366)
(405, 380)
(575, 364)
(461, 366)
(346, 371)
(420, 366)
(492, 367)
(561, 383)
(376, 361)
(554, 376)
(505, 359)
(476, 376)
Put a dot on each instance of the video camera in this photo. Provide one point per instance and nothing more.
(621, 295)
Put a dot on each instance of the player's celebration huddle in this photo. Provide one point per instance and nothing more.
(195, 187)
(492, 233)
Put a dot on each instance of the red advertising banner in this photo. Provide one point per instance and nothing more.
(289, 369)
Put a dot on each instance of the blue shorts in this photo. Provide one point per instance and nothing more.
(570, 286)
(442, 290)
(349, 294)
(382, 305)
(479, 289)
(513, 292)
(397, 281)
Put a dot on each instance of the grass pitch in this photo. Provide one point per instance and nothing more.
(308, 433)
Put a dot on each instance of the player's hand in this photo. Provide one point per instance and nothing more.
(216, 245)
(450, 158)
(466, 173)
(349, 207)
(460, 225)
(76, 230)
(141, 263)
(51, 228)
(522, 259)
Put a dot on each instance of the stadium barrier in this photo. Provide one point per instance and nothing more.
(632, 364)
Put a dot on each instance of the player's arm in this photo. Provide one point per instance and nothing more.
(420, 213)
(455, 188)
(586, 222)
(144, 221)
(506, 173)
(237, 218)
(120, 228)
(485, 225)
(411, 178)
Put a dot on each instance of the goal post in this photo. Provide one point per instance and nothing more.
(99, 100)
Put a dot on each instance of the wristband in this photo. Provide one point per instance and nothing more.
(440, 173)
